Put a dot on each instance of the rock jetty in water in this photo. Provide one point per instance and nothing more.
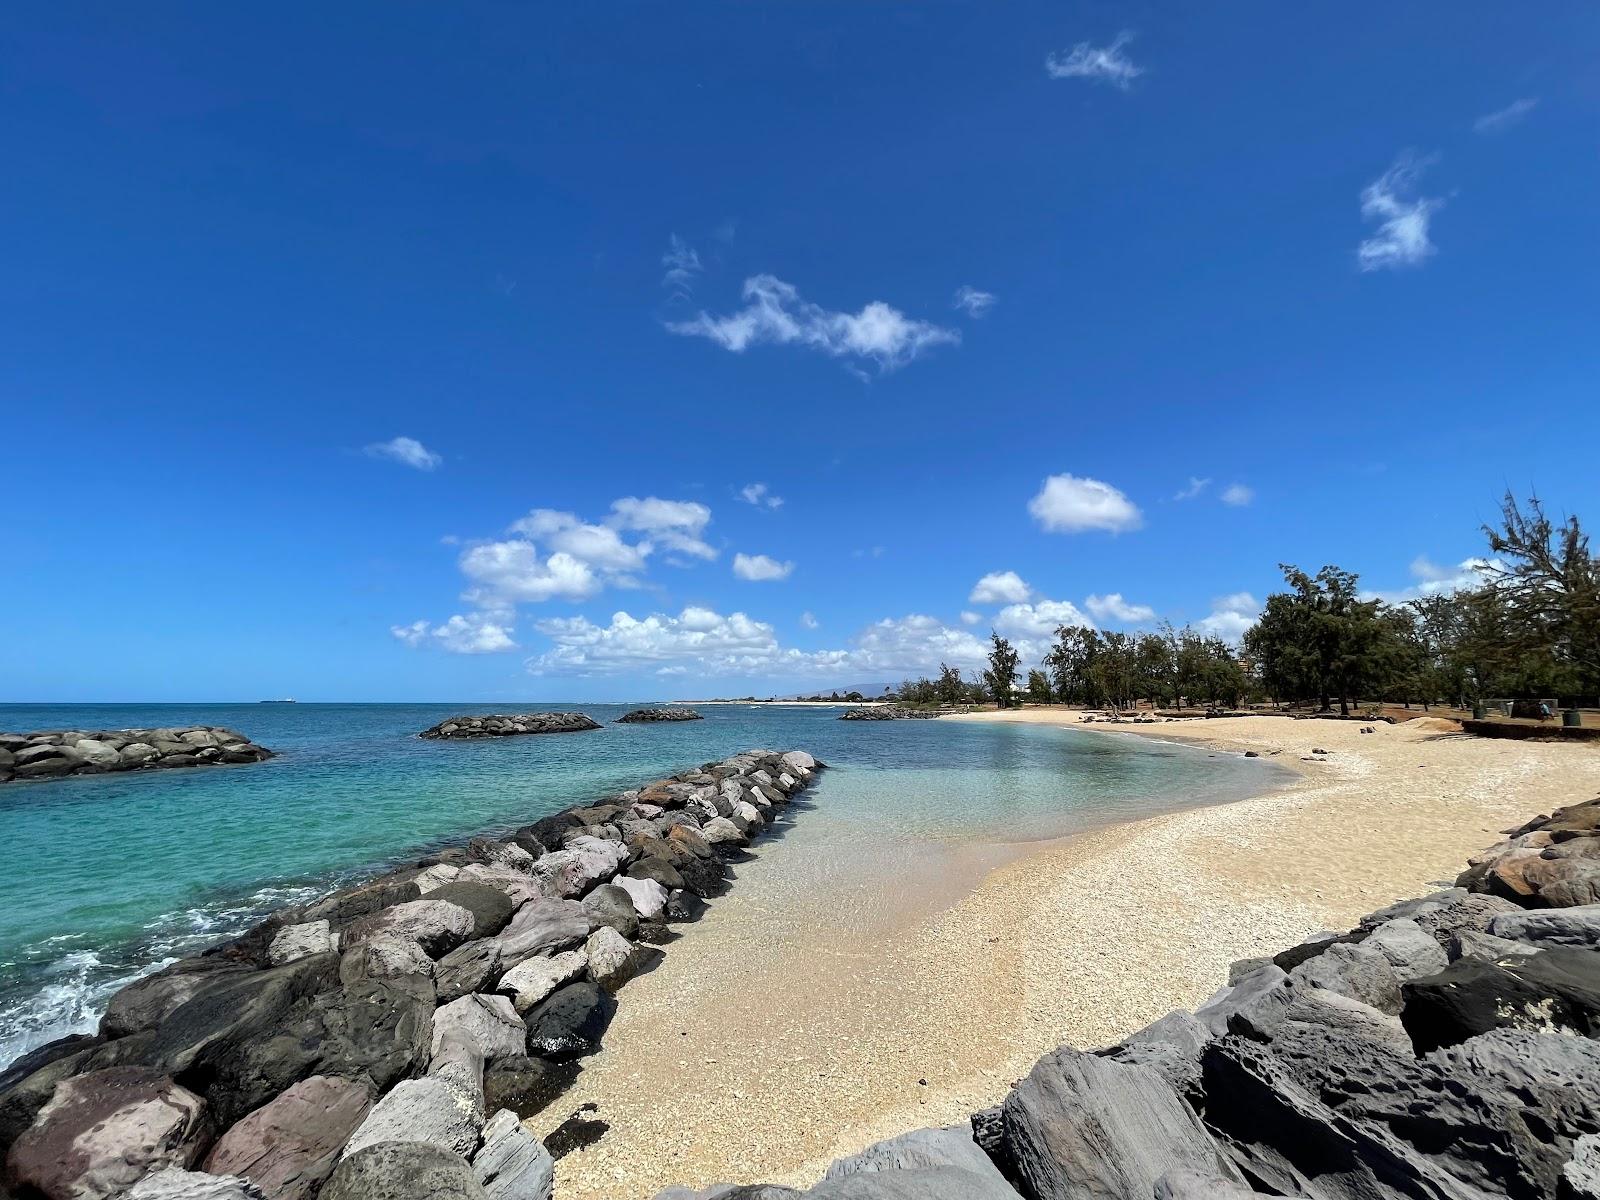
(887, 712)
(386, 1039)
(511, 725)
(58, 753)
(648, 716)
(1445, 1046)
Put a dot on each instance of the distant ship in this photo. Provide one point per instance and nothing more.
(286, 700)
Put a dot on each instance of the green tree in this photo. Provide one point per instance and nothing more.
(950, 688)
(1002, 672)
(1038, 687)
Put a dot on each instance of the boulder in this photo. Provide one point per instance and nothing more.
(471, 967)
(435, 877)
(949, 1147)
(512, 1164)
(1196, 1185)
(436, 925)
(543, 927)
(1356, 970)
(525, 1085)
(655, 869)
(1576, 928)
(720, 831)
(613, 959)
(373, 896)
(921, 1183)
(648, 896)
(488, 1025)
(403, 1171)
(289, 1145)
(440, 1110)
(147, 1002)
(174, 1183)
(611, 906)
(1411, 952)
(508, 855)
(294, 942)
(532, 980)
(1552, 990)
(584, 862)
(517, 886)
(1262, 986)
(490, 907)
(684, 905)
(570, 1023)
(387, 956)
(103, 1131)
(1081, 1125)
(1580, 1178)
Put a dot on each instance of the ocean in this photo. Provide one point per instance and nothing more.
(111, 876)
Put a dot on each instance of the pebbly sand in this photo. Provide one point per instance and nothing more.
(767, 1043)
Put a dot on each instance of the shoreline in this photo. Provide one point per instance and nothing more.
(1082, 940)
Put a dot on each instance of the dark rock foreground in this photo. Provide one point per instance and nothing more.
(386, 1040)
(511, 725)
(59, 753)
(647, 716)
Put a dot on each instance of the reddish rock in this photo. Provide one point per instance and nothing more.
(104, 1131)
(288, 1146)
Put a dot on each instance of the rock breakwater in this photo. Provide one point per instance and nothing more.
(58, 753)
(386, 1039)
(647, 716)
(887, 712)
(1444, 1047)
(510, 725)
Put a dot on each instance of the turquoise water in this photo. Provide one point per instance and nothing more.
(111, 875)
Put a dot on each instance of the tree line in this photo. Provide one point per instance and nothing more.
(1529, 627)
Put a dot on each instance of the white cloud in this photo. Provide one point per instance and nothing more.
(973, 302)
(775, 314)
(682, 264)
(1196, 486)
(710, 643)
(807, 621)
(599, 546)
(1039, 619)
(971, 618)
(1432, 579)
(1112, 607)
(676, 524)
(1503, 119)
(473, 634)
(760, 495)
(758, 568)
(1231, 616)
(1238, 495)
(1068, 504)
(1103, 64)
(999, 587)
(916, 643)
(508, 573)
(407, 451)
(1404, 216)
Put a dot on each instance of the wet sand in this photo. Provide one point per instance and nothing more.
(775, 1037)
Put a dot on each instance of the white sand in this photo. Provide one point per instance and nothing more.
(764, 1045)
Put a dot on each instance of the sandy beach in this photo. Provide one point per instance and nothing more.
(780, 1042)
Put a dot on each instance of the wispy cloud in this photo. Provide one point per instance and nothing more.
(758, 568)
(1068, 504)
(1103, 64)
(775, 314)
(682, 264)
(1196, 486)
(808, 621)
(760, 495)
(1238, 495)
(474, 634)
(1403, 216)
(1503, 119)
(974, 303)
(406, 451)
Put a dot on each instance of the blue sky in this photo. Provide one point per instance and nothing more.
(392, 351)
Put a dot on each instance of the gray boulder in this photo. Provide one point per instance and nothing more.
(1247, 996)
(174, 1183)
(512, 1164)
(147, 1002)
(543, 927)
(403, 1171)
(490, 907)
(611, 906)
(613, 959)
(488, 1025)
(649, 897)
(294, 942)
(436, 925)
(1575, 928)
(922, 1183)
(949, 1147)
(1194, 1185)
(470, 967)
(531, 981)
(1356, 970)
(441, 1110)
(387, 956)
(289, 1145)
(570, 1023)
(1081, 1125)
(1580, 1178)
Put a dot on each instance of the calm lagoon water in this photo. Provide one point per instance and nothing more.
(112, 875)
